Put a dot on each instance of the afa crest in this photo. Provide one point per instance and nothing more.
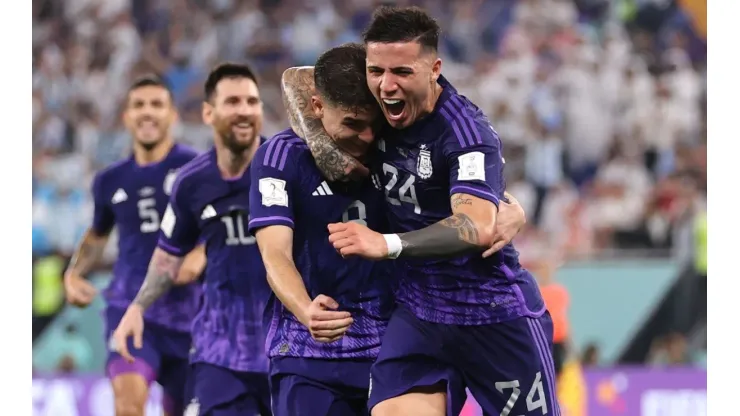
(424, 163)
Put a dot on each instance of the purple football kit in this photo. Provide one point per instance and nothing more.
(229, 366)
(132, 198)
(308, 377)
(483, 320)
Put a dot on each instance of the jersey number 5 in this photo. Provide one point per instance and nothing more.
(406, 192)
(148, 215)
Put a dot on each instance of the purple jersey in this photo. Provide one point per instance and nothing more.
(228, 330)
(288, 189)
(133, 198)
(453, 150)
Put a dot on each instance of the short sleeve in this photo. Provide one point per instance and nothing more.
(473, 153)
(179, 231)
(273, 186)
(103, 218)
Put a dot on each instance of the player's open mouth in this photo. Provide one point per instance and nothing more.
(147, 126)
(242, 127)
(394, 108)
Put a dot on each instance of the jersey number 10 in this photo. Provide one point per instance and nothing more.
(406, 192)
(235, 235)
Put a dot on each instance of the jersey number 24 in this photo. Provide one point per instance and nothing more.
(406, 192)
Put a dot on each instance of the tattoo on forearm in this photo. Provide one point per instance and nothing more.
(298, 87)
(451, 236)
(163, 270)
(88, 254)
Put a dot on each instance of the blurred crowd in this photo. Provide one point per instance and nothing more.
(600, 103)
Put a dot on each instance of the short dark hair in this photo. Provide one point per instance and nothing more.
(392, 24)
(339, 76)
(223, 71)
(149, 80)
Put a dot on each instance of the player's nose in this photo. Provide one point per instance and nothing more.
(245, 109)
(366, 135)
(388, 85)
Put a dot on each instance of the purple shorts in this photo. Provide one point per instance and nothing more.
(507, 366)
(319, 387)
(218, 391)
(163, 358)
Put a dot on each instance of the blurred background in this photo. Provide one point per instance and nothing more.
(601, 106)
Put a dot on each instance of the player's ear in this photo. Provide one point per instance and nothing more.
(174, 115)
(436, 69)
(207, 113)
(317, 106)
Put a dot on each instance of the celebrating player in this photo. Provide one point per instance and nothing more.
(210, 203)
(132, 195)
(332, 312)
(442, 170)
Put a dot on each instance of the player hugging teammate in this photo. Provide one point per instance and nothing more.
(381, 225)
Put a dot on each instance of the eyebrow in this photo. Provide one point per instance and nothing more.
(395, 68)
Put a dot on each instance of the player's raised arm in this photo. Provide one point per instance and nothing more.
(272, 222)
(298, 87)
(78, 290)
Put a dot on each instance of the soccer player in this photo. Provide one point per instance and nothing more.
(331, 312)
(210, 204)
(442, 170)
(132, 195)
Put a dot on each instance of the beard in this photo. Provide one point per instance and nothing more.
(149, 146)
(235, 144)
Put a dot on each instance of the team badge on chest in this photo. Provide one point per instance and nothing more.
(424, 163)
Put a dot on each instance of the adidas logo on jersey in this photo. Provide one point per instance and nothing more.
(323, 189)
(208, 212)
(119, 196)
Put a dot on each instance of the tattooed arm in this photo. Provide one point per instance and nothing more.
(163, 269)
(470, 228)
(88, 253)
(160, 277)
(298, 86)
(77, 290)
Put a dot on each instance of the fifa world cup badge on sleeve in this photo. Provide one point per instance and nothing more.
(273, 192)
(424, 163)
(472, 167)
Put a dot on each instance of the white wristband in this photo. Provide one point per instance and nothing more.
(395, 246)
